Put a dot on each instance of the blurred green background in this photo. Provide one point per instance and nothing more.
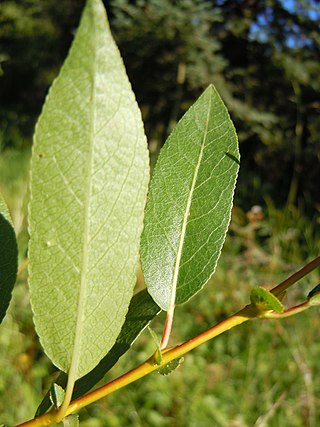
(263, 57)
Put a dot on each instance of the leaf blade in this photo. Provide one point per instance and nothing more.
(87, 200)
(196, 167)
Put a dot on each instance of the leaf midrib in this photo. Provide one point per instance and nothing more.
(85, 257)
(185, 218)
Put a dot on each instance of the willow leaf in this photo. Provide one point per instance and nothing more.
(89, 177)
(8, 258)
(189, 202)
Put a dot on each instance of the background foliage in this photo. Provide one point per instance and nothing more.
(263, 58)
(261, 55)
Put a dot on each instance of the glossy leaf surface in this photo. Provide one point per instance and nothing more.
(8, 258)
(189, 202)
(89, 178)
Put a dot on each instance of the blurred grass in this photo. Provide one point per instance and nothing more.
(264, 373)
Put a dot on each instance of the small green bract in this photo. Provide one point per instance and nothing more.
(57, 395)
(171, 366)
(264, 300)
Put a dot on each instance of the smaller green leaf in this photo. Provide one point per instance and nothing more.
(8, 258)
(71, 421)
(171, 366)
(56, 395)
(314, 296)
(157, 341)
(265, 300)
(189, 203)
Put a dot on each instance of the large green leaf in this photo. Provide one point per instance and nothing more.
(189, 203)
(8, 258)
(141, 311)
(89, 176)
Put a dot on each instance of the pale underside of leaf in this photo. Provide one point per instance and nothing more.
(89, 177)
(189, 202)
